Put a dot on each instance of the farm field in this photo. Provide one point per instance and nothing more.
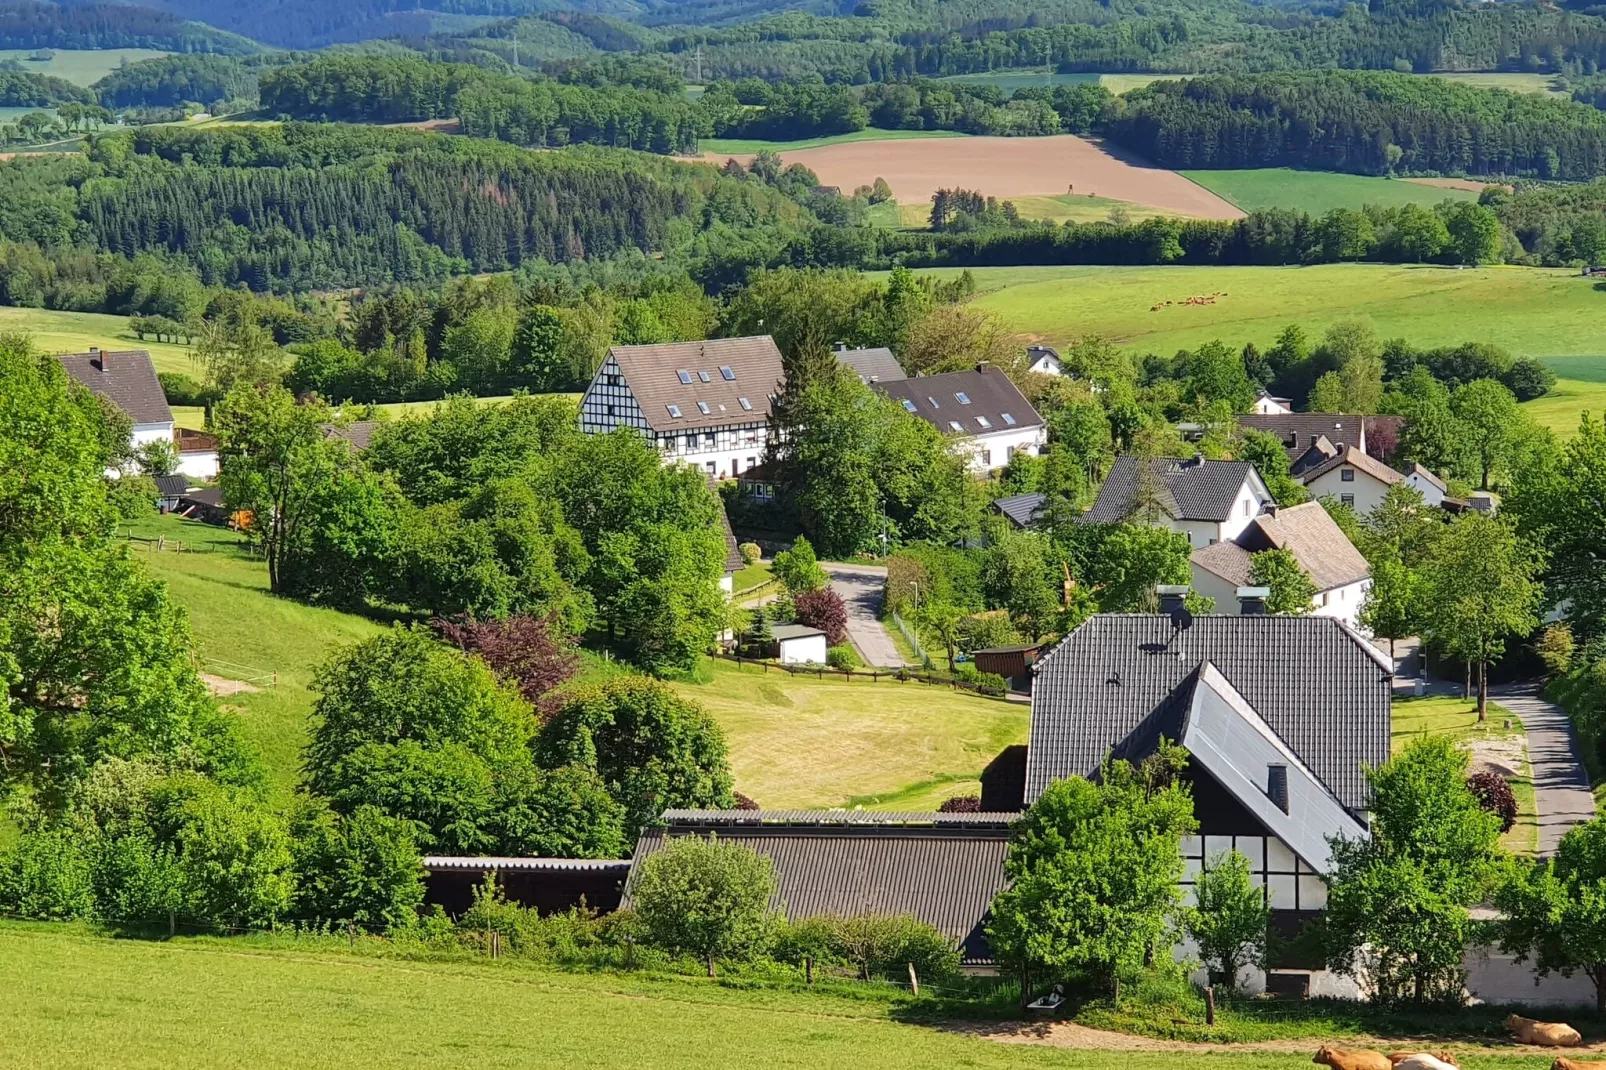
(798, 741)
(717, 148)
(1515, 81)
(1008, 168)
(1317, 192)
(74, 332)
(80, 66)
(1560, 409)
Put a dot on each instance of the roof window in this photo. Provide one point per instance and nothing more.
(955, 425)
(674, 410)
(744, 403)
(1008, 418)
(702, 407)
(685, 376)
(907, 404)
(728, 372)
(703, 376)
(933, 402)
(961, 397)
(983, 421)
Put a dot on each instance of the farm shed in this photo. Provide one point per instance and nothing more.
(798, 644)
(1013, 663)
(550, 885)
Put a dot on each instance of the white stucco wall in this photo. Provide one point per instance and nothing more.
(1431, 495)
(807, 649)
(1367, 490)
(144, 433)
(1211, 585)
(1344, 603)
(994, 449)
(198, 464)
(1245, 507)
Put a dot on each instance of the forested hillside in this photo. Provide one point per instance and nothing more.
(37, 24)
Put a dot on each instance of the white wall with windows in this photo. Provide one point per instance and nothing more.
(1360, 490)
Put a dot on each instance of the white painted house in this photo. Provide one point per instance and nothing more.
(1267, 405)
(1209, 501)
(1335, 567)
(1354, 477)
(1430, 486)
(703, 403)
(982, 409)
(127, 379)
(1044, 360)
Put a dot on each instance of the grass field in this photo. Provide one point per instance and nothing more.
(1064, 208)
(1416, 717)
(81, 66)
(720, 146)
(74, 332)
(798, 741)
(1515, 81)
(1317, 191)
(242, 631)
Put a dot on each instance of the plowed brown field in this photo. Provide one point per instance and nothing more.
(1006, 167)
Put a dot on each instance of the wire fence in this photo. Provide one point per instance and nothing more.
(912, 637)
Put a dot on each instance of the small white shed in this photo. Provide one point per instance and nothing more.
(798, 644)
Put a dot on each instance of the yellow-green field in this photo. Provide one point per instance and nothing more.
(1317, 192)
(74, 332)
(81, 66)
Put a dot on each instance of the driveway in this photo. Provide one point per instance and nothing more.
(1561, 787)
(860, 587)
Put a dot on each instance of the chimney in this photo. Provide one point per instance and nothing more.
(1252, 601)
(1171, 596)
(97, 358)
(983, 365)
(1277, 786)
(840, 347)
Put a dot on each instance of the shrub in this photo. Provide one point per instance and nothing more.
(842, 656)
(798, 569)
(1555, 647)
(825, 610)
(133, 496)
(961, 804)
(364, 868)
(1494, 795)
(744, 802)
(530, 653)
(876, 945)
(46, 875)
(705, 897)
(180, 389)
(1230, 923)
(990, 683)
(750, 552)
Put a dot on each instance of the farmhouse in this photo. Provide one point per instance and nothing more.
(1354, 477)
(1430, 486)
(1335, 567)
(704, 403)
(1303, 434)
(944, 869)
(1209, 501)
(1278, 714)
(1268, 405)
(127, 379)
(980, 405)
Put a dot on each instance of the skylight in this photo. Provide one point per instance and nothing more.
(983, 421)
(703, 376)
(933, 402)
(955, 425)
(702, 407)
(745, 403)
(1008, 418)
(674, 410)
(961, 397)
(727, 372)
(907, 404)
(685, 376)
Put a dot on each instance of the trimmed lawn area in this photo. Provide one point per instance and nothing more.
(751, 576)
(1453, 717)
(75, 332)
(1317, 192)
(244, 632)
(800, 741)
(1568, 400)
(716, 146)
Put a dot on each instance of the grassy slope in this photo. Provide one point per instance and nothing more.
(74, 332)
(237, 621)
(798, 741)
(715, 146)
(1317, 191)
(80, 66)
(1414, 717)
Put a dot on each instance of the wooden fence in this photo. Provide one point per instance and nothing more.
(902, 676)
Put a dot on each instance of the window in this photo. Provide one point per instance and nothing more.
(987, 457)
(708, 439)
(751, 462)
(685, 376)
(1246, 508)
(1009, 452)
(908, 405)
(745, 404)
(983, 421)
(1347, 499)
(961, 397)
(674, 411)
(729, 373)
(736, 467)
(610, 410)
(1346, 475)
(614, 379)
(1008, 418)
(702, 407)
(703, 376)
(933, 402)
(710, 466)
(955, 425)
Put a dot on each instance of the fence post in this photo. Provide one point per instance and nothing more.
(808, 969)
(914, 979)
(1210, 1004)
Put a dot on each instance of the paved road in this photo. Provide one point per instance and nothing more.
(1561, 787)
(860, 588)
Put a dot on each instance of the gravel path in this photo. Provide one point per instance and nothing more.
(1561, 787)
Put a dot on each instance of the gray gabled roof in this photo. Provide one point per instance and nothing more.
(653, 374)
(172, 486)
(126, 378)
(989, 395)
(360, 433)
(874, 364)
(1023, 509)
(1321, 687)
(944, 869)
(1354, 458)
(1193, 489)
(1298, 430)
(783, 632)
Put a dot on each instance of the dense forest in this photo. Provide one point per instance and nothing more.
(174, 80)
(26, 90)
(36, 24)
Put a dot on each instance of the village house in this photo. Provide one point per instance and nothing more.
(1268, 405)
(1430, 486)
(1208, 501)
(981, 406)
(1335, 567)
(1312, 438)
(1022, 510)
(127, 379)
(1044, 360)
(872, 365)
(1354, 477)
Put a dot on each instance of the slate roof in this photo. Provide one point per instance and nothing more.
(1355, 459)
(480, 864)
(1023, 509)
(1321, 687)
(126, 378)
(793, 631)
(360, 433)
(653, 374)
(1194, 489)
(1317, 542)
(944, 869)
(212, 496)
(1299, 429)
(876, 363)
(935, 399)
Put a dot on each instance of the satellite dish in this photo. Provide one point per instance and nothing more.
(1181, 619)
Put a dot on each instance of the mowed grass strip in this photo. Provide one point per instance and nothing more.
(1318, 192)
(802, 741)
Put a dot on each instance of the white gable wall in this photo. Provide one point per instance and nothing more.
(1431, 495)
(1364, 491)
(993, 450)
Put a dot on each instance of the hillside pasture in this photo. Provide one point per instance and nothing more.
(81, 66)
(1004, 167)
(75, 332)
(1317, 192)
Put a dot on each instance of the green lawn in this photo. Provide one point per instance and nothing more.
(799, 741)
(74, 332)
(751, 576)
(1515, 81)
(1453, 717)
(715, 146)
(81, 66)
(1318, 191)
(244, 632)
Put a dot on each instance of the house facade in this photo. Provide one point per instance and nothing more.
(1267, 405)
(1431, 487)
(1309, 438)
(1209, 501)
(1335, 567)
(1354, 477)
(127, 379)
(706, 404)
(981, 409)
(1044, 360)
(1279, 716)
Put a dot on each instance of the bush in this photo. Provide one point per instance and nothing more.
(842, 656)
(363, 869)
(46, 875)
(1495, 796)
(990, 683)
(750, 552)
(961, 804)
(876, 945)
(705, 897)
(180, 389)
(825, 610)
(798, 569)
(133, 496)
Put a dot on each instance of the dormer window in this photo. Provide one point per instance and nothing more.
(684, 376)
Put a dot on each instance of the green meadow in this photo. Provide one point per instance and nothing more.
(1318, 191)
(80, 66)
(725, 146)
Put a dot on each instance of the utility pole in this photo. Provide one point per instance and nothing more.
(515, 44)
(699, 56)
